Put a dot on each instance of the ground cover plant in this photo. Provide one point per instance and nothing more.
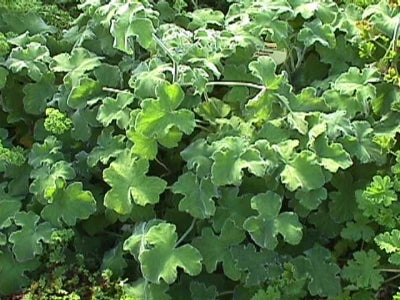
(199, 149)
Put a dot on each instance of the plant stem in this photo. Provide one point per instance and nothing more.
(390, 270)
(112, 90)
(186, 232)
(237, 83)
(391, 278)
(170, 55)
(225, 293)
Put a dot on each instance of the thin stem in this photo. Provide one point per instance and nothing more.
(396, 34)
(171, 56)
(203, 128)
(300, 58)
(162, 165)
(225, 293)
(113, 233)
(112, 90)
(391, 278)
(237, 83)
(186, 232)
(390, 270)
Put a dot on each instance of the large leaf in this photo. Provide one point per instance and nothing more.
(303, 172)
(163, 256)
(128, 182)
(215, 249)
(69, 205)
(27, 241)
(159, 116)
(199, 194)
(321, 271)
(265, 227)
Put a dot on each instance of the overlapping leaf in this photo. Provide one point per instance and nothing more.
(128, 182)
(265, 227)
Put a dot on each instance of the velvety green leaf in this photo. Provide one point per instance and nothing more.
(158, 116)
(161, 260)
(3, 77)
(204, 16)
(332, 156)
(83, 121)
(311, 199)
(264, 69)
(141, 289)
(113, 260)
(343, 202)
(199, 291)
(389, 241)
(232, 206)
(340, 57)
(32, 59)
(108, 146)
(215, 249)
(254, 263)
(265, 227)
(69, 205)
(147, 77)
(362, 270)
(303, 172)
(361, 144)
(47, 178)
(316, 32)
(77, 63)
(321, 271)
(383, 16)
(358, 230)
(144, 146)
(27, 241)
(38, 94)
(197, 155)
(22, 22)
(115, 109)
(128, 182)
(46, 153)
(85, 90)
(9, 206)
(358, 82)
(233, 154)
(12, 273)
(126, 26)
(348, 104)
(198, 195)
(108, 75)
(213, 109)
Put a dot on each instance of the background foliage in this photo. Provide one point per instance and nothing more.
(238, 150)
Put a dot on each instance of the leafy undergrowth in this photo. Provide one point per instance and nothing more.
(191, 150)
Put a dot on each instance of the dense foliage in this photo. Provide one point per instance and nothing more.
(186, 149)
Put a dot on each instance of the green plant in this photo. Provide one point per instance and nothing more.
(171, 150)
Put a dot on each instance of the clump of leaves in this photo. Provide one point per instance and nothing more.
(175, 150)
